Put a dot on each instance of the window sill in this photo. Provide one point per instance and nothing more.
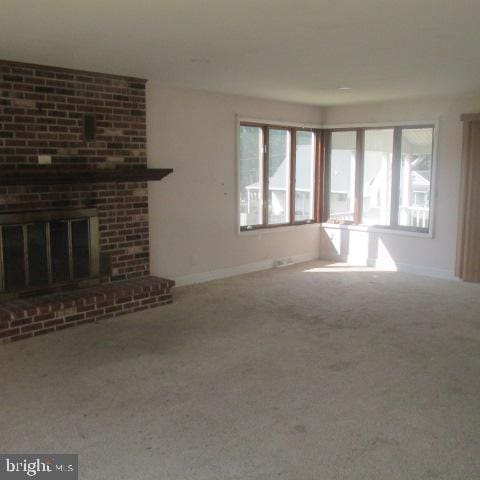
(283, 228)
(371, 229)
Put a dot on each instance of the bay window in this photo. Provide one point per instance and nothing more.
(373, 176)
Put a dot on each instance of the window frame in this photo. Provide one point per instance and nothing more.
(322, 176)
(327, 175)
(382, 127)
(396, 171)
(292, 129)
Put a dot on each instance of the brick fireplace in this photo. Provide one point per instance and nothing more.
(73, 199)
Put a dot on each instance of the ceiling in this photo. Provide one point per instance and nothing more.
(293, 50)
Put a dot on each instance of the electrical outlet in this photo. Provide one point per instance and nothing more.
(44, 159)
(283, 262)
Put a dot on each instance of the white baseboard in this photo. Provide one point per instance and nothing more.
(399, 267)
(238, 270)
(201, 277)
(427, 271)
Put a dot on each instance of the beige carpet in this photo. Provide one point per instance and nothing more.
(309, 372)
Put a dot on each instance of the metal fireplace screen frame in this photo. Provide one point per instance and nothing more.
(24, 219)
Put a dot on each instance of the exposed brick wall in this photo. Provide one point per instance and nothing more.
(21, 319)
(41, 113)
(42, 110)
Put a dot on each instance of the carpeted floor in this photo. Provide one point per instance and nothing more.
(311, 372)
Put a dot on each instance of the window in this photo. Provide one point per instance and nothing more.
(415, 177)
(277, 176)
(304, 175)
(251, 175)
(373, 176)
(342, 175)
(381, 176)
(377, 176)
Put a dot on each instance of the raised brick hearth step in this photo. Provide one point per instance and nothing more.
(23, 318)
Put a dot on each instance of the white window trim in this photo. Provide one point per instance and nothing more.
(263, 121)
(284, 228)
(373, 229)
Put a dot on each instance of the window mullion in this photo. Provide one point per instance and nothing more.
(326, 173)
(293, 153)
(318, 176)
(359, 165)
(395, 198)
(265, 177)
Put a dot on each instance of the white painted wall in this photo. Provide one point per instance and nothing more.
(193, 212)
(435, 256)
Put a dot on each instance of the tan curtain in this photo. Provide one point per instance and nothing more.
(468, 245)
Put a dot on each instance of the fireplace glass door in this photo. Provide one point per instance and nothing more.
(40, 249)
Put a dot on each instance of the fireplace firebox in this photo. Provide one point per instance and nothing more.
(45, 250)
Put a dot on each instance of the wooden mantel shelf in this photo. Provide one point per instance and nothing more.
(65, 175)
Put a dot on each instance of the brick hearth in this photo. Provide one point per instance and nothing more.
(23, 318)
